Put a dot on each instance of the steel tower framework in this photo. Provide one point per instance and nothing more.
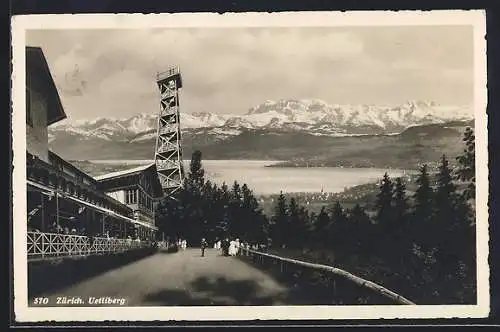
(168, 151)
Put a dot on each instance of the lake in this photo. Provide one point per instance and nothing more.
(271, 180)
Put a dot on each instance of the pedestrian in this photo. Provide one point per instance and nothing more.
(232, 248)
(203, 246)
(237, 246)
(225, 247)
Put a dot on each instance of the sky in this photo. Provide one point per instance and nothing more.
(229, 70)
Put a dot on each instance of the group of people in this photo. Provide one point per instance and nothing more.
(228, 247)
(181, 244)
(225, 247)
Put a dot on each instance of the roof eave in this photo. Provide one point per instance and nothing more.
(54, 94)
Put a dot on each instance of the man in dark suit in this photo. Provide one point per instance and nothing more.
(203, 245)
(225, 247)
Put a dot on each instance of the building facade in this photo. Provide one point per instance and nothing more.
(43, 105)
(62, 199)
(138, 188)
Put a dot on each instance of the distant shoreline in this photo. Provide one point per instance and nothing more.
(270, 163)
(291, 164)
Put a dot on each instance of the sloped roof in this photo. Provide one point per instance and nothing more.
(125, 172)
(36, 64)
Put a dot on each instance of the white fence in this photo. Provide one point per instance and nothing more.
(52, 245)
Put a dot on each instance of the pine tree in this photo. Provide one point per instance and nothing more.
(321, 227)
(191, 202)
(401, 205)
(423, 213)
(280, 221)
(384, 204)
(222, 227)
(467, 164)
(385, 216)
(236, 228)
(225, 201)
(225, 194)
(401, 216)
(196, 175)
(303, 228)
(465, 210)
(338, 230)
(444, 196)
(294, 224)
(254, 221)
(361, 226)
(448, 222)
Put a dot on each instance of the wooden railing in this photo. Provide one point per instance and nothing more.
(53, 245)
(173, 70)
(340, 280)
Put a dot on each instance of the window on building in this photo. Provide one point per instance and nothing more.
(29, 120)
(131, 196)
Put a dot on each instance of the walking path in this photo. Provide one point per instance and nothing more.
(183, 278)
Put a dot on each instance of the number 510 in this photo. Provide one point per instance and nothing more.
(41, 300)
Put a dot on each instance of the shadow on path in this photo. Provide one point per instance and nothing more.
(52, 275)
(221, 291)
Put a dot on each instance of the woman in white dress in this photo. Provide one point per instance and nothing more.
(232, 248)
(236, 247)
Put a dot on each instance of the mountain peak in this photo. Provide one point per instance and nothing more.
(421, 103)
(307, 115)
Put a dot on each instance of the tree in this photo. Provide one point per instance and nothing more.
(303, 228)
(225, 201)
(296, 225)
(169, 220)
(401, 205)
(225, 194)
(401, 229)
(466, 173)
(222, 227)
(444, 197)
(383, 203)
(236, 214)
(321, 226)
(424, 209)
(280, 221)
(338, 232)
(451, 218)
(196, 175)
(385, 214)
(467, 164)
(254, 223)
(361, 226)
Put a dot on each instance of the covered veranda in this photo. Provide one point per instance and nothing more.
(67, 217)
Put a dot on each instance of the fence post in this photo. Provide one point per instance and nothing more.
(43, 245)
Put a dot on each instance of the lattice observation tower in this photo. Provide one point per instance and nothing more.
(168, 151)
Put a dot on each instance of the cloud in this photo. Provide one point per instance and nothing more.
(229, 70)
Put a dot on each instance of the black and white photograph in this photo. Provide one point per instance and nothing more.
(250, 166)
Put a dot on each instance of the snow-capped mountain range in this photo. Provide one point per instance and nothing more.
(313, 116)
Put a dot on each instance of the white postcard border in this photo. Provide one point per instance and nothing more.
(20, 24)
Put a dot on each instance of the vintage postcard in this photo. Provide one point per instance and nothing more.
(200, 167)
